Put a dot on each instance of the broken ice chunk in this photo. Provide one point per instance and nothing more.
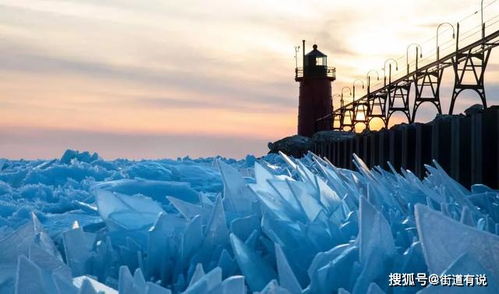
(152, 288)
(121, 211)
(242, 227)
(287, 278)
(29, 278)
(444, 240)
(303, 193)
(64, 286)
(156, 190)
(374, 289)
(217, 233)
(192, 238)
(197, 275)
(87, 288)
(336, 273)
(189, 210)
(87, 285)
(163, 242)
(206, 283)
(19, 243)
(51, 266)
(238, 197)
(78, 249)
(137, 284)
(375, 233)
(257, 272)
(227, 264)
(273, 288)
(466, 264)
(231, 285)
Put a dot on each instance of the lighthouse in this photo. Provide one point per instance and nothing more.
(315, 103)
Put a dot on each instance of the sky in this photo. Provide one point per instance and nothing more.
(165, 79)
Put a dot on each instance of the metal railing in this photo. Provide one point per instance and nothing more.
(318, 71)
(477, 46)
(474, 33)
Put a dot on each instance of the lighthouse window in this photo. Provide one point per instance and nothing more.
(320, 61)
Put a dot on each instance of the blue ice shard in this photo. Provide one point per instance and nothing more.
(287, 278)
(375, 232)
(227, 264)
(137, 283)
(231, 285)
(163, 244)
(306, 227)
(192, 238)
(88, 285)
(329, 199)
(18, 243)
(156, 190)
(87, 288)
(78, 247)
(257, 272)
(262, 178)
(197, 275)
(273, 288)
(189, 210)
(374, 289)
(29, 278)
(217, 233)
(206, 282)
(466, 264)
(334, 271)
(304, 193)
(126, 285)
(242, 227)
(121, 211)
(445, 240)
(64, 286)
(238, 197)
(152, 288)
(51, 266)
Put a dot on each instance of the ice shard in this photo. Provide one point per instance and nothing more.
(192, 238)
(285, 225)
(238, 198)
(29, 278)
(233, 284)
(217, 233)
(189, 210)
(205, 283)
(19, 243)
(375, 232)
(445, 240)
(121, 211)
(257, 272)
(136, 284)
(78, 250)
(88, 285)
(287, 278)
(156, 190)
(466, 264)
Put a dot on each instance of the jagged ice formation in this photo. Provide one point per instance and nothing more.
(278, 225)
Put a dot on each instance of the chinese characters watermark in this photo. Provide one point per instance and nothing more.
(446, 280)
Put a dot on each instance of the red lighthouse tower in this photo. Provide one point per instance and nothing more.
(315, 104)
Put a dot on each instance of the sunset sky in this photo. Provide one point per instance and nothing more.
(161, 78)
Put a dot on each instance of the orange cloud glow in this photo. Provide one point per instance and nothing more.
(216, 72)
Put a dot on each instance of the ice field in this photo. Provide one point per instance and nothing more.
(80, 224)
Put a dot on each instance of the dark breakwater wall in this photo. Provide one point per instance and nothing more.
(466, 146)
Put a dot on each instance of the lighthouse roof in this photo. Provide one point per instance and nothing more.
(315, 52)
